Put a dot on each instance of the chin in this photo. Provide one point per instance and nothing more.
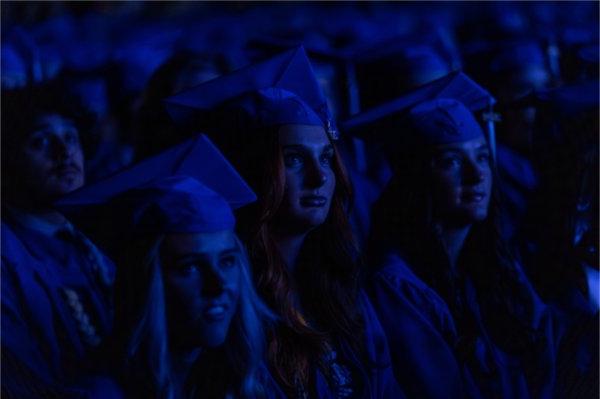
(212, 339)
(310, 223)
(65, 187)
(476, 216)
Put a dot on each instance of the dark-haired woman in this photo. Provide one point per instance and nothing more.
(438, 251)
(272, 122)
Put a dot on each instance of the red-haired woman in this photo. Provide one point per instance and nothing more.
(329, 342)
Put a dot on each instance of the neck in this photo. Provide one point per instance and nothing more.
(182, 362)
(453, 239)
(289, 246)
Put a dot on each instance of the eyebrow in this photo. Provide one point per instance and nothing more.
(453, 148)
(201, 255)
(326, 147)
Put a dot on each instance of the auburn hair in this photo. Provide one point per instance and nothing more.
(326, 278)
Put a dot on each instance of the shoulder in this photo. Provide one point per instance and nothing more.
(397, 271)
(395, 288)
(397, 278)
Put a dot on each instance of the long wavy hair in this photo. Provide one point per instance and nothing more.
(140, 341)
(326, 278)
(404, 219)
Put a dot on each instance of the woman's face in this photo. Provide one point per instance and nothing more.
(202, 283)
(308, 158)
(462, 181)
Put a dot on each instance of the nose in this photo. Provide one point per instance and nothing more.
(473, 172)
(214, 282)
(60, 149)
(316, 174)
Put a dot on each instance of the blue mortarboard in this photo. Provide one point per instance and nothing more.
(456, 86)
(196, 157)
(175, 204)
(444, 121)
(333, 67)
(281, 90)
(441, 111)
(190, 188)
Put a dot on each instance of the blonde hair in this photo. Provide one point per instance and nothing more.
(141, 333)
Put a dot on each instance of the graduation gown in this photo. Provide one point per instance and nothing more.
(377, 377)
(55, 310)
(424, 339)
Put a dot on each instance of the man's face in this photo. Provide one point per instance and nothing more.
(51, 159)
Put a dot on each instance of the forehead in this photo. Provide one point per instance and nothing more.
(469, 145)
(53, 121)
(201, 243)
(306, 135)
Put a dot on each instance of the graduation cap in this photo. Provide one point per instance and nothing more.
(333, 67)
(281, 90)
(190, 188)
(455, 85)
(196, 157)
(441, 111)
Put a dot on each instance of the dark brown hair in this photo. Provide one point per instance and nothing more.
(403, 219)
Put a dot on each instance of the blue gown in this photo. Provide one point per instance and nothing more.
(55, 310)
(107, 387)
(425, 361)
(577, 330)
(378, 377)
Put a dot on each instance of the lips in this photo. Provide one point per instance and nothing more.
(473, 196)
(313, 201)
(66, 169)
(215, 311)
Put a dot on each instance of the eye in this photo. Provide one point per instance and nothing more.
(292, 159)
(447, 162)
(483, 157)
(39, 142)
(71, 137)
(228, 261)
(327, 158)
(188, 269)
